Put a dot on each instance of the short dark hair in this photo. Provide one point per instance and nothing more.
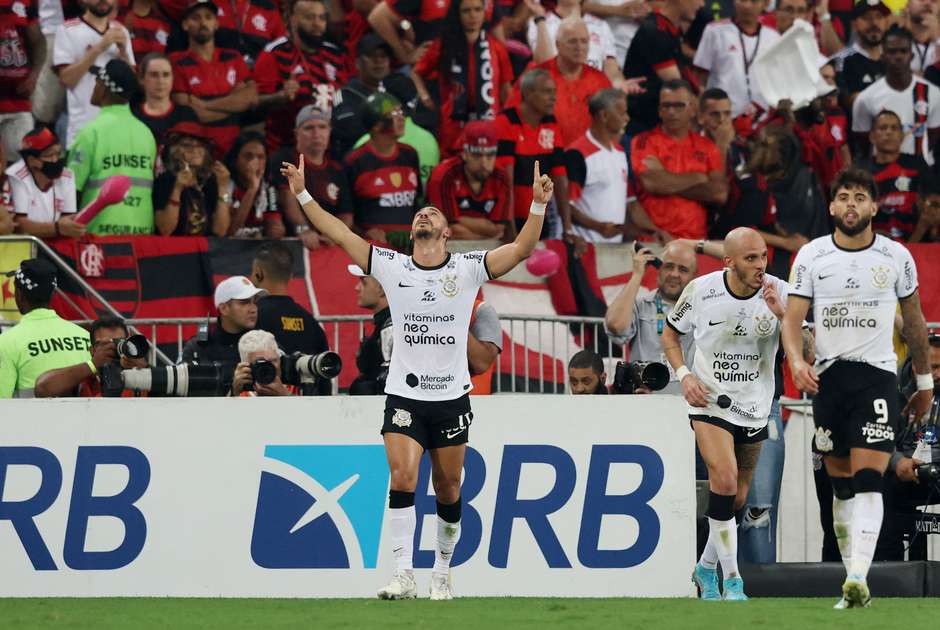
(677, 84)
(277, 260)
(713, 94)
(604, 99)
(887, 112)
(854, 178)
(587, 359)
(106, 322)
(899, 31)
(150, 58)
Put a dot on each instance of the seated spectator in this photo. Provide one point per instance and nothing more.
(254, 209)
(373, 64)
(586, 374)
(715, 121)
(472, 71)
(375, 352)
(92, 40)
(213, 81)
(678, 171)
(84, 379)
(297, 70)
(326, 180)
(473, 194)
(7, 223)
(913, 99)
(899, 177)
(927, 229)
(295, 329)
(529, 133)
(148, 26)
(249, 26)
(42, 189)
(23, 53)
(259, 345)
(543, 31)
(156, 109)
(115, 143)
(186, 196)
(383, 173)
(598, 173)
(236, 300)
(727, 52)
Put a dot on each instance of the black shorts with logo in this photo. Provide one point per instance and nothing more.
(857, 407)
(432, 424)
(741, 435)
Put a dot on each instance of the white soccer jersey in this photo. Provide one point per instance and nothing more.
(602, 38)
(72, 41)
(880, 96)
(38, 205)
(728, 55)
(855, 296)
(431, 311)
(736, 341)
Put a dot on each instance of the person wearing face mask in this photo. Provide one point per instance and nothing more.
(42, 189)
(297, 70)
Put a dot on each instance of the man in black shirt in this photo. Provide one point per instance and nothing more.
(373, 62)
(863, 66)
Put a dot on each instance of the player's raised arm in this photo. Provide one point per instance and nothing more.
(502, 259)
(791, 333)
(328, 225)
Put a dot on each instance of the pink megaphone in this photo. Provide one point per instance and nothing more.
(113, 191)
(543, 262)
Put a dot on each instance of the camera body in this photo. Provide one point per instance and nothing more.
(301, 370)
(133, 347)
(629, 376)
(927, 473)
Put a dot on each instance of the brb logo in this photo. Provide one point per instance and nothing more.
(323, 506)
(21, 510)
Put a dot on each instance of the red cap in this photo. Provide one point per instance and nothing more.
(39, 141)
(479, 136)
(191, 129)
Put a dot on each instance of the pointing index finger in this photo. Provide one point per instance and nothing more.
(537, 176)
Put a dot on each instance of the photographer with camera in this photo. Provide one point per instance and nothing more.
(259, 372)
(111, 345)
(375, 351)
(640, 321)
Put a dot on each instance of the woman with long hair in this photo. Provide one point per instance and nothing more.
(471, 68)
(254, 200)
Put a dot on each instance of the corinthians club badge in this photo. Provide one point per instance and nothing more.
(449, 285)
(764, 325)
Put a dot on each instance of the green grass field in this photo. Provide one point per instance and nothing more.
(143, 614)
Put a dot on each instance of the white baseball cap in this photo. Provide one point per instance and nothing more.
(236, 288)
(356, 270)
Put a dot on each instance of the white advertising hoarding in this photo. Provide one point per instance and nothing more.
(563, 495)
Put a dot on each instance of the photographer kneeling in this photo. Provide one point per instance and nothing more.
(111, 349)
(259, 373)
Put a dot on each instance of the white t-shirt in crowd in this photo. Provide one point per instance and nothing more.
(603, 194)
(623, 30)
(72, 41)
(725, 51)
(880, 96)
(51, 16)
(35, 204)
(431, 309)
(855, 296)
(602, 38)
(736, 341)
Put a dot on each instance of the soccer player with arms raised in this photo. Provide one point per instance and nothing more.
(734, 316)
(854, 280)
(431, 295)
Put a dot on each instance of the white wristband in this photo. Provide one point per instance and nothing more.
(537, 209)
(304, 197)
(682, 372)
(924, 382)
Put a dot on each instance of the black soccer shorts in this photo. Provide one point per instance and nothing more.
(857, 407)
(741, 435)
(432, 424)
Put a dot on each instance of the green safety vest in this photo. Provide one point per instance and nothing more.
(116, 143)
(42, 341)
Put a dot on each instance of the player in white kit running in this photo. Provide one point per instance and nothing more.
(431, 295)
(734, 315)
(854, 280)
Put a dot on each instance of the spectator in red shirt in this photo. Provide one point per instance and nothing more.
(298, 70)
(255, 213)
(678, 170)
(472, 71)
(248, 26)
(213, 81)
(475, 197)
(149, 27)
(836, 118)
(23, 49)
(157, 110)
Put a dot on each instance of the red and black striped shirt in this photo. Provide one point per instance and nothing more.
(898, 185)
(149, 33)
(449, 190)
(385, 189)
(320, 74)
(248, 25)
(15, 17)
(520, 145)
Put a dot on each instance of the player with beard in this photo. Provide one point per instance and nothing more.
(854, 280)
(734, 316)
(431, 295)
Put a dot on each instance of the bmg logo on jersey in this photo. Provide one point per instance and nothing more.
(320, 507)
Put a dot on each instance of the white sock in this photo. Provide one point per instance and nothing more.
(842, 525)
(401, 525)
(709, 559)
(724, 536)
(866, 525)
(447, 536)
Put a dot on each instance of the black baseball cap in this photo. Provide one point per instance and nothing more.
(36, 278)
(118, 76)
(861, 7)
(371, 42)
(192, 5)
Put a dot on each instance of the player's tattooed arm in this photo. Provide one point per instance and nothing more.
(915, 333)
(809, 346)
